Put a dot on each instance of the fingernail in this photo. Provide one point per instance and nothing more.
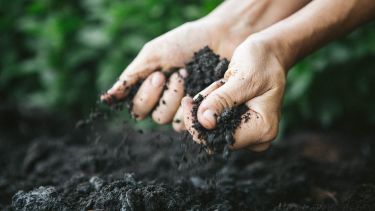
(157, 80)
(185, 101)
(183, 73)
(210, 117)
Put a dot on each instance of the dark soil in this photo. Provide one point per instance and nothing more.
(219, 139)
(46, 164)
(45, 168)
(204, 68)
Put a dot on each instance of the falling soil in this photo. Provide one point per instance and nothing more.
(46, 164)
(45, 168)
(205, 68)
(219, 139)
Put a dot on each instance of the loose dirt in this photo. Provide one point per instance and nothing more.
(44, 167)
(46, 164)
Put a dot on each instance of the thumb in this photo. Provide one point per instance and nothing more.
(226, 96)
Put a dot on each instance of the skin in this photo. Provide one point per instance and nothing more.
(263, 39)
(257, 72)
(220, 30)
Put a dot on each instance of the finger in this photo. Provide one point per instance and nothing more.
(259, 147)
(144, 64)
(148, 95)
(178, 121)
(260, 123)
(226, 96)
(187, 106)
(210, 88)
(171, 98)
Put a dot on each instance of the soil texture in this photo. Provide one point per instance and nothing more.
(47, 164)
(219, 139)
(45, 167)
(203, 69)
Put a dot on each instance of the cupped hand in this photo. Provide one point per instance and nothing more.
(255, 77)
(164, 54)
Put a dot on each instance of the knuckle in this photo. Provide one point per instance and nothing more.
(228, 74)
(270, 131)
(260, 148)
(188, 24)
(147, 47)
(159, 118)
(223, 99)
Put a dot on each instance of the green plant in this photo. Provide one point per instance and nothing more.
(59, 55)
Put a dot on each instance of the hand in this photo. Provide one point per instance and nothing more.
(255, 77)
(222, 30)
(162, 54)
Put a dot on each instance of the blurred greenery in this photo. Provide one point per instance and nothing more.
(59, 55)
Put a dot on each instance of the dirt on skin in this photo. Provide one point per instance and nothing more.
(205, 68)
(219, 139)
(44, 167)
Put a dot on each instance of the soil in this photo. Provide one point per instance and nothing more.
(203, 69)
(219, 139)
(48, 165)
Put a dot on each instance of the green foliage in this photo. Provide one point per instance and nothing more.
(60, 55)
(333, 87)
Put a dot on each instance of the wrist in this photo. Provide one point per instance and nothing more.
(238, 22)
(276, 46)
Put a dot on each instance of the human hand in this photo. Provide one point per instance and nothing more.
(167, 52)
(221, 30)
(255, 77)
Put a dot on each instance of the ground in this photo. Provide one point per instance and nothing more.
(47, 164)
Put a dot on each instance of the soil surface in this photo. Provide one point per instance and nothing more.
(47, 165)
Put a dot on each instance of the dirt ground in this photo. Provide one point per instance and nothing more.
(46, 164)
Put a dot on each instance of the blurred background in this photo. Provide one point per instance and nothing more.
(58, 56)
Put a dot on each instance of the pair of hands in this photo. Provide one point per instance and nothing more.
(254, 76)
(285, 33)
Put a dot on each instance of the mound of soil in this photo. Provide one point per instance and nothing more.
(48, 165)
(122, 169)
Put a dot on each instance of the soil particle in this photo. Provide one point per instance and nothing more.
(203, 69)
(170, 173)
(220, 138)
(42, 169)
(42, 198)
